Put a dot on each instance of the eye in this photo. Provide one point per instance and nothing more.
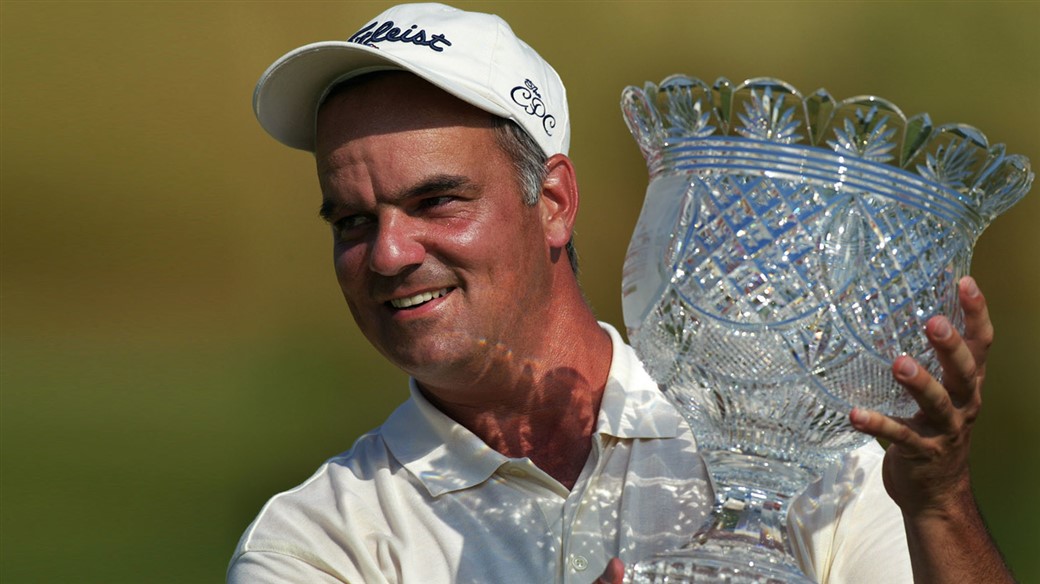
(434, 202)
(350, 226)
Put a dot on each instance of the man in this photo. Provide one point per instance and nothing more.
(534, 447)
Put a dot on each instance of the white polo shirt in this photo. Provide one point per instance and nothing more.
(423, 500)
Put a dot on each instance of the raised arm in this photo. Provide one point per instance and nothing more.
(926, 466)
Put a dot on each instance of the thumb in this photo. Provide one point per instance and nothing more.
(614, 574)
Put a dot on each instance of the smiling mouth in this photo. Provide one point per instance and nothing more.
(418, 299)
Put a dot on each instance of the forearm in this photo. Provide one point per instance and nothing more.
(953, 546)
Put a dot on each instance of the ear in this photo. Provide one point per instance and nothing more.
(559, 200)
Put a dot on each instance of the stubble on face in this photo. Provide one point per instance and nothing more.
(442, 211)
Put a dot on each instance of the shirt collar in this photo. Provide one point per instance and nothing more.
(445, 456)
(441, 453)
(633, 406)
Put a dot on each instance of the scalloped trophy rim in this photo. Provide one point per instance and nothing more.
(957, 158)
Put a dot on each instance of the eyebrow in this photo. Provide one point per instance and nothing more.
(434, 184)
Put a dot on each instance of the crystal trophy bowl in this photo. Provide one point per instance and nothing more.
(788, 250)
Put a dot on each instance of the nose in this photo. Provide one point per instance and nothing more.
(397, 245)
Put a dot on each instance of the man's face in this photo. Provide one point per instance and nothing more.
(440, 261)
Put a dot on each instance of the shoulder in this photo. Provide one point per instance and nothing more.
(844, 485)
(321, 517)
(848, 526)
(340, 479)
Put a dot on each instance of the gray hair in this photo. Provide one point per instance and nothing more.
(529, 167)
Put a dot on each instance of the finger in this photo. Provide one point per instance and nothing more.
(958, 363)
(978, 329)
(883, 427)
(614, 574)
(932, 398)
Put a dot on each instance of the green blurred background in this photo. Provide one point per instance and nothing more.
(174, 346)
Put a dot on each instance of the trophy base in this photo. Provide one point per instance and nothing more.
(702, 565)
(745, 539)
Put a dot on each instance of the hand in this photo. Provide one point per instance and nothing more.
(614, 574)
(926, 466)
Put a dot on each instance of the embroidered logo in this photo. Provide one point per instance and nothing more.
(527, 97)
(388, 32)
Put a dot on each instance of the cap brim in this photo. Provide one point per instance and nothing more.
(288, 94)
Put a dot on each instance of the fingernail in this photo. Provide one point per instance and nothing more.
(942, 330)
(970, 286)
(907, 368)
(859, 416)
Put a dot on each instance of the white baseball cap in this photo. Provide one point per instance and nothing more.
(473, 56)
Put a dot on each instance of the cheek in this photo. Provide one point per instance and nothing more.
(456, 244)
(469, 238)
(481, 237)
(348, 263)
(350, 274)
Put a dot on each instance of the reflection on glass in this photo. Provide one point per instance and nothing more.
(788, 250)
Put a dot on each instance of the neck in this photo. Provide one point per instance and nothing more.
(543, 407)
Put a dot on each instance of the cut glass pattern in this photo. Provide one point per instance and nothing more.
(788, 250)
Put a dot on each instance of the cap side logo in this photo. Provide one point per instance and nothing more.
(527, 97)
(388, 32)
